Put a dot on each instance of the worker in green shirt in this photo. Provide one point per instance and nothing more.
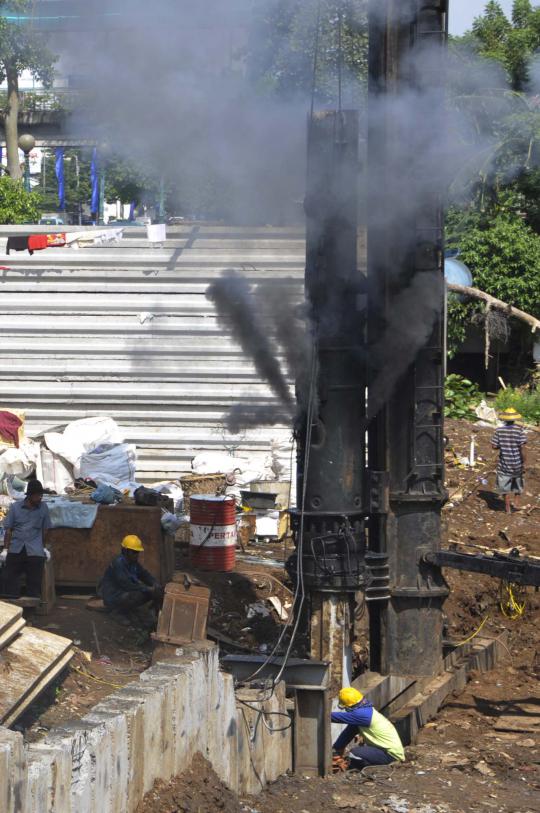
(381, 745)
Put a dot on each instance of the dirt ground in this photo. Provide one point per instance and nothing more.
(107, 657)
(462, 762)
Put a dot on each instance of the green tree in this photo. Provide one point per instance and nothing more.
(16, 204)
(21, 49)
(77, 181)
(307, 45)
(129, 182)
(503, 254)
(510, 42)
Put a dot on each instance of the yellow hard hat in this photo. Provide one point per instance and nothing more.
(350, 697)
(132, 542)
(510, 414)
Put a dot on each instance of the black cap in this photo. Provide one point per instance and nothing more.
(34, 487)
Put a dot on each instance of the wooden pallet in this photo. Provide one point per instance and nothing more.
(184, 613)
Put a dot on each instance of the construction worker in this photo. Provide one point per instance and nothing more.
(382, 744)
(26, 527)
(510, 440)
(126, 585)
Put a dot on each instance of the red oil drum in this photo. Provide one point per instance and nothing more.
(213, 532)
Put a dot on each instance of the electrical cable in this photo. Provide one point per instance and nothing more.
(475, 633)
(263, 715)
(299, 591)
(300, 546)
(512, 607)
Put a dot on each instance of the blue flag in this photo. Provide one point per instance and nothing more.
(94, 175)
(60, 178)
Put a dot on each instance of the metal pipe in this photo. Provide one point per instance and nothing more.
(332, 559)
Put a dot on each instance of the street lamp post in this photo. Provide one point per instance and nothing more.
(27, 143)
(161, 200)
(105, 151)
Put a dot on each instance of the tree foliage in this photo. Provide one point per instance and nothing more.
(510, 42)
(16, 204)
(503, 254)
(129, 182)
(307, 45)
(22, 48)
(496, 224)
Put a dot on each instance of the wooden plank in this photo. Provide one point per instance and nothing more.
(16, 712)
(28, 665)
(10, 618)
(48, 592)
(9, 634)
(184, 613)
(81, 556)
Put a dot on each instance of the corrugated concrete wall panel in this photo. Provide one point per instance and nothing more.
(126, 330)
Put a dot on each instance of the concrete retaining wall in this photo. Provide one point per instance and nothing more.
(149, 730)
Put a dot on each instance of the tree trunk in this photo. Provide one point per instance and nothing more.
(496, 304)
(11, 124)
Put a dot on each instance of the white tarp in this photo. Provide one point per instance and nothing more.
(22, 461)
(82, 436)
(108, 463)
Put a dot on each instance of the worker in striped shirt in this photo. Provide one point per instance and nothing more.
(510, 440)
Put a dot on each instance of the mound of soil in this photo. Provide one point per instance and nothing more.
(197, 790)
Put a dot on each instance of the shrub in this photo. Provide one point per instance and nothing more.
(16, 204)
(527, 402)
(461, 396)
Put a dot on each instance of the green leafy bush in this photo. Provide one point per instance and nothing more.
(461, 396)
(527, 402)
(16, 204)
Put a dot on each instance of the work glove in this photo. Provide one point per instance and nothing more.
(339, 763)
(3, 557)
(47, 554)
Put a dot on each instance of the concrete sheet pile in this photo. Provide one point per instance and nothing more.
(149, 730)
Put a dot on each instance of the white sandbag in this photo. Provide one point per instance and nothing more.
(486, 413)
(108, 463)
(170, 523)
(217, 462)
(22, 461)
(83, 436)
(55, 474)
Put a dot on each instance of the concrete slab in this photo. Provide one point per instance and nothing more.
(12, 769)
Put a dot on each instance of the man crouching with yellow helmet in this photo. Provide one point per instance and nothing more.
(127, 586)
(382, 744)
